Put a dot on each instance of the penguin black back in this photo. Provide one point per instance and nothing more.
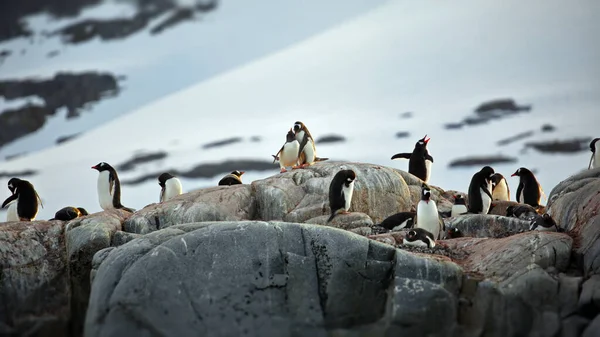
(417, 164)
(24, 192)
(404, 219)
(528, 191)
(479, 183)
(419, 237)
(234, 178)
(69, 213)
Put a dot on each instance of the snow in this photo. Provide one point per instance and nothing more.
(439, 60)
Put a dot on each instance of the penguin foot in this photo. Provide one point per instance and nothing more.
(297, 167)
(283, 170)
(344, 212)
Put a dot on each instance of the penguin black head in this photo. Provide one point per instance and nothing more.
(510, 211)
(454, 233)
(496, 179)
(82, 211)
(423, 142)
(238, 173)
(102, 166)
(459, 200)
(593, 145)
(522, 172)
(298, 126)
(349, 176)
(425, 193)
(487, 171)
(162, 179)
(13, 183)
(545, 221)
(290, 136)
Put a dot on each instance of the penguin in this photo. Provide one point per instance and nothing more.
(419, 237)
(529, 191)
(595, 159)
(500, 190)
(23, 203)
(399, 221)
(523, 212)
(480, 195)
(170, 187)
(427, 216)
(340, 192)
(459, 207)
(544, 223)
(420, 161)
(69, 213)
(288, 154)
(453, 233)
(233, 178)
(109, 188)
(307, 154)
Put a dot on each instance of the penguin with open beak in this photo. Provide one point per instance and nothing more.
(419, 161)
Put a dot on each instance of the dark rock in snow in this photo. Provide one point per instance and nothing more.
(330, 139)
(402, 134)
(561, 146)
(141, 158)
(19, 174)
(406, 114)
(482, 161)
(63, 139)
(452, 126)
(548, 128)
(220, 143)
(515, 138)
(506, 104)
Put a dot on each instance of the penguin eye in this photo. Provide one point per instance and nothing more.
(349, 179)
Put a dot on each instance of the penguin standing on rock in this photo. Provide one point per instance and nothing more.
(109, 188)
(399, 221)
(23, 203)
(288, 154)
(595, 148)
(420, 161)
(427, 216)
(233, 178)
(170, 187)
(459, 207)
(419, 237)
(340, 192)
(480, 195)
(307, 153)
(529, 191)
(500, 190)
(69, 213)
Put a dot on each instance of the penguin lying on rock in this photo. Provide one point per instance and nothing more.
(69, 213)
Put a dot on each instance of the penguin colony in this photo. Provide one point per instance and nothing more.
(425, 223)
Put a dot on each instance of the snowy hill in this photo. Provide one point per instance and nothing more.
(436, 60)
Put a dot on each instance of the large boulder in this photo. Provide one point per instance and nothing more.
(34, 279)
(266, 279)
(575, 206)
(487, 226)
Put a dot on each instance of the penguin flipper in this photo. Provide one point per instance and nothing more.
(519, 190)
(127, 209)
(401, 156)
(9, 200)
(485, 189)
(40, 199)
(428, 157)
(591, 160)
(303, 143)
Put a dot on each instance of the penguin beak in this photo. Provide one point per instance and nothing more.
(514, 174)
(95, 167)
(426, 139)
(242, 172)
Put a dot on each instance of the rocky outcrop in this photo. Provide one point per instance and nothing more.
(488, 226)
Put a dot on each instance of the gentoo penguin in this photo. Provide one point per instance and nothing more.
(529, 191)
(69, 213)
(398, 221)
(23, 203)
(420, 160)
(544, 223)
(523, 212)
(427, 216)
(453, 233)
(480, 195)
(500, 190)
(170, 187)
(288, 154)
(595, 148)
(109, 188)
(419, 237)
(459, 207)
(340, 192)
(233, 178)
(307, 153)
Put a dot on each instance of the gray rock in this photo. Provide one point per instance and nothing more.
(573, 326)
(343, 221)
(568, 294)
(299, 195)
(34, 279)
(487, 226)
(593, 329)
(85, 236)
(589, 300)
(120, 238)
(257, 278)
(221, 203)
(98, 258)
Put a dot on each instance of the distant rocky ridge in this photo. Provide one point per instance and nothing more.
(244, 260)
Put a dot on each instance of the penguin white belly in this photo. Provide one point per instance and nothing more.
(595, 158)
(172, 189)
(458, 210)
(105, 195)
(501, 191)
(486, 201)
(521, 197)
(348, 195)
(309, 152)
(428, 164)
(402, 225)
(545, 229)
(289, 154)
(12, 214)
(416, 243)
(428, 217)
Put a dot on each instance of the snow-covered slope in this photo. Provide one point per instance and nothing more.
(237, 32)
(437, 59)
